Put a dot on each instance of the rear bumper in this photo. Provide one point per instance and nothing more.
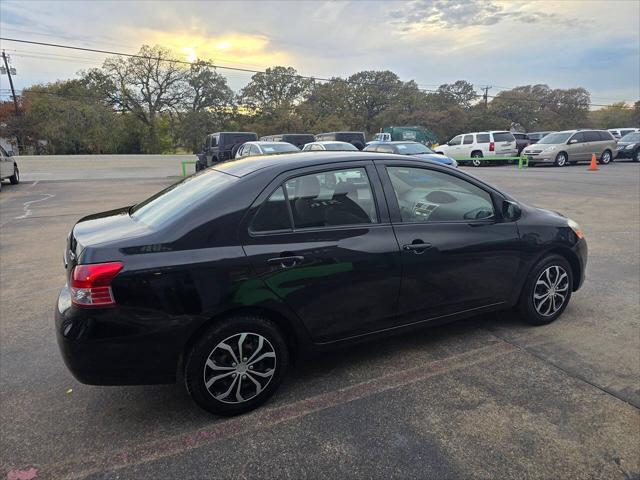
(105, 347)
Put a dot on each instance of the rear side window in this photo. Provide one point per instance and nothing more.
(482, 138)
(326, 199)
(273, 215)
(468, 139)
(605, 136)
(503, 137)
(591, 136)
(428, 196)
(178, 199)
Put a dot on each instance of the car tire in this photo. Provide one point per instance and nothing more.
(548, 283)
(475, 156)
(636, 155)
(242, 385)
(15, 178)
(605, 158)
(561, 160)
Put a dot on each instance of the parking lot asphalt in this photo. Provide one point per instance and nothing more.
(488, 397)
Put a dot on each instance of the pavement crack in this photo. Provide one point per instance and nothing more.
(567, 372)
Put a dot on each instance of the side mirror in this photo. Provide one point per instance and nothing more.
(510, 210)
(572, 141)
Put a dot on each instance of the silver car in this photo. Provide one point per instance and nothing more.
(572, 146)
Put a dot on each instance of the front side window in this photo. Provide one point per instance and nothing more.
(428, 196)
(326, 199)
(455, 140)
(578, 137)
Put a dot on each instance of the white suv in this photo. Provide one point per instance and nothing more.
(480, 144)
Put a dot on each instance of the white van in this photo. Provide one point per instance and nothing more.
(476, 145)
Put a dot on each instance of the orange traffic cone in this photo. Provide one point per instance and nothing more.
(594, 165)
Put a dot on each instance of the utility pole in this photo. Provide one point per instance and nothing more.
(13, 91)
(486, 95)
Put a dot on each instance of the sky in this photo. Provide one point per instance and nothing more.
(592, 44)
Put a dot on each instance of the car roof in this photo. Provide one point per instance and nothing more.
(248, 165)
(330, 142)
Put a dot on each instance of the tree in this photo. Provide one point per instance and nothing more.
(460, 93)
(371, 93)
(147, 85)
(278, 88)
(208, 102)
(613, 116)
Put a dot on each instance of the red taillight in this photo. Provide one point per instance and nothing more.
(91, 284)
(492, 147)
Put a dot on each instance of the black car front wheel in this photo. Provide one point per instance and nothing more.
(547, 291)
(15, 178)
(236, 365)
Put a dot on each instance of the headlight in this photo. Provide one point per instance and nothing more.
(576, 228)
(630, 146)
(454, 163)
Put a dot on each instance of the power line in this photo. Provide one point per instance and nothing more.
(246, 70)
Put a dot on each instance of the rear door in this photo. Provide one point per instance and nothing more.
(457, 254)
(505, 144)
(579, 150)
(320, 239)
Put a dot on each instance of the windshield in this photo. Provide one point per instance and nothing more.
(631, 137)
(182, 197)
(555, 138)
(279, 148)
(412, 148)
(343, 146)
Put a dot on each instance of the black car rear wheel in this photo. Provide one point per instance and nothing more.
(236, 365)
(547, 291)
(636, 155)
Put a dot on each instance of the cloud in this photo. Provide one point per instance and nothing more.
(419, 15)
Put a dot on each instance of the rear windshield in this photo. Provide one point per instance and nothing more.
(412, 148)
(343, 146)
(503, 137)
(279, 148)
(631, 137)
(173, 202)
(555, 138)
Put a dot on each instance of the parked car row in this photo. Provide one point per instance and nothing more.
(571, 147)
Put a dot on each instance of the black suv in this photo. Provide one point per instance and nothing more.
(297, 139)
(222, 146)
(356, 139)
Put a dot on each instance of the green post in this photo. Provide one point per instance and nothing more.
(184, 166)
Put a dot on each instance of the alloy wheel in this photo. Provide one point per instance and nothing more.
(606, 158)
(561, 160)
(550, 291)
(239, 368)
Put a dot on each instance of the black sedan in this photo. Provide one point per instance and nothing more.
(223, 278)
(629, 147)
(415, 149)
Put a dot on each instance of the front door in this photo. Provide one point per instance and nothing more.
(323, 244)
(457, 255)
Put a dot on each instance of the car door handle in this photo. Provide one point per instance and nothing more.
(286, 262)
(416, 247)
